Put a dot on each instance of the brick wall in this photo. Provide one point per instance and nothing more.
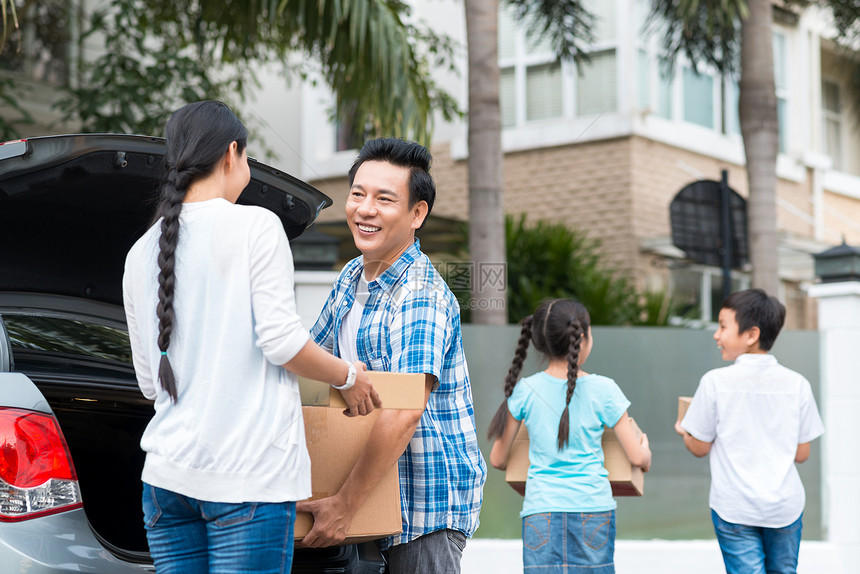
(842, 218)
(618, 191)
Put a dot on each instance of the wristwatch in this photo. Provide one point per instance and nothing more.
(350, 378)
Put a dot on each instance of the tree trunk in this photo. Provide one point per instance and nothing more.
(486, 210)
(760, 130)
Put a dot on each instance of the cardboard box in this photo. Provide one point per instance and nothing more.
(626, 479)
(683, 405)
(397, 391)
(335, 441)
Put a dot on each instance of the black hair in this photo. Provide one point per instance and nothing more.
(198, 135)
(406, 154)
(556, 329)
(755, 308)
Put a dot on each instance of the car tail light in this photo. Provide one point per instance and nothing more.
(37, 476)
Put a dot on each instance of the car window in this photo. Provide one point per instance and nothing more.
(5, 350)
(60, 335)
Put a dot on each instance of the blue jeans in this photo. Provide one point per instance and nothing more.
(756, 549)
(569, 542)
(190, 536)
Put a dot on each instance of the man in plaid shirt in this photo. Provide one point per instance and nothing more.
(390, 309)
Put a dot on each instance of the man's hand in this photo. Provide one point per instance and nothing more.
(361, 398)
(331, 521)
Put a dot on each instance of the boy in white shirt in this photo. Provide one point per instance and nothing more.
(756, 418)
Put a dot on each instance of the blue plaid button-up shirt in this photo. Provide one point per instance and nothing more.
(411, 324)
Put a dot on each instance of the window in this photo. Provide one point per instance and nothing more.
(535, 86)
(731, 111)
(700, 290)
(596, 90)
(597, 82)
(643, 80)
(508, 97)
(698, 98)
(705, 99)
(345, 136)
(543, 92)
(665, 78)
(531, 76)
(46, 335)
(832, 116)
(780, 77)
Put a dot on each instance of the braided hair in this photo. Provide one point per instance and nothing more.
(497, 425)
(574, 337)
(198, 135)
(556, 329)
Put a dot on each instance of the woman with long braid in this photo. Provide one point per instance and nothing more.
(568, 511)
(217, 344)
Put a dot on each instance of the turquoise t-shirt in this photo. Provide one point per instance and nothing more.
(573, 479)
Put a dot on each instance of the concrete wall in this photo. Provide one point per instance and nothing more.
(653, 366)
(668, 530)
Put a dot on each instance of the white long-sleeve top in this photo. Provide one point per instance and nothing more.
(236, 433)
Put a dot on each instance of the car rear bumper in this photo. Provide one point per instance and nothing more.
(58, 543)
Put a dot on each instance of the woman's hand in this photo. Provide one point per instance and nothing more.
(361, 398)
(315, 363)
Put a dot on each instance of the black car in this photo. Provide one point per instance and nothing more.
(71, 414)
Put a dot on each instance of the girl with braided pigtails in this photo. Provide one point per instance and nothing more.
(568, 510)
(216, 344)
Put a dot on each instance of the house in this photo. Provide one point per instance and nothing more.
(604, 149)
(607, 149)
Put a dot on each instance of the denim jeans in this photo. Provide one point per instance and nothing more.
(190, 536)
(758, 550)
(439, 552)
(569, 542)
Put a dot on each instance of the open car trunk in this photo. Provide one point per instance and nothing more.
(72, 206)
(103, 429)
(77, 355)
(70, 209)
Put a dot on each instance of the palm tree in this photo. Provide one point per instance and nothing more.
(567, 24)
(375, 60)
(10, 20)
(486, 209)
(760, 133)
(725, 34)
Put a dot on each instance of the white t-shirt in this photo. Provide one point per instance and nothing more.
(755, 412)
(348, 336)
(236, 433)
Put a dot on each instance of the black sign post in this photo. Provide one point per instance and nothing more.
(709, 223)
(726, 227)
